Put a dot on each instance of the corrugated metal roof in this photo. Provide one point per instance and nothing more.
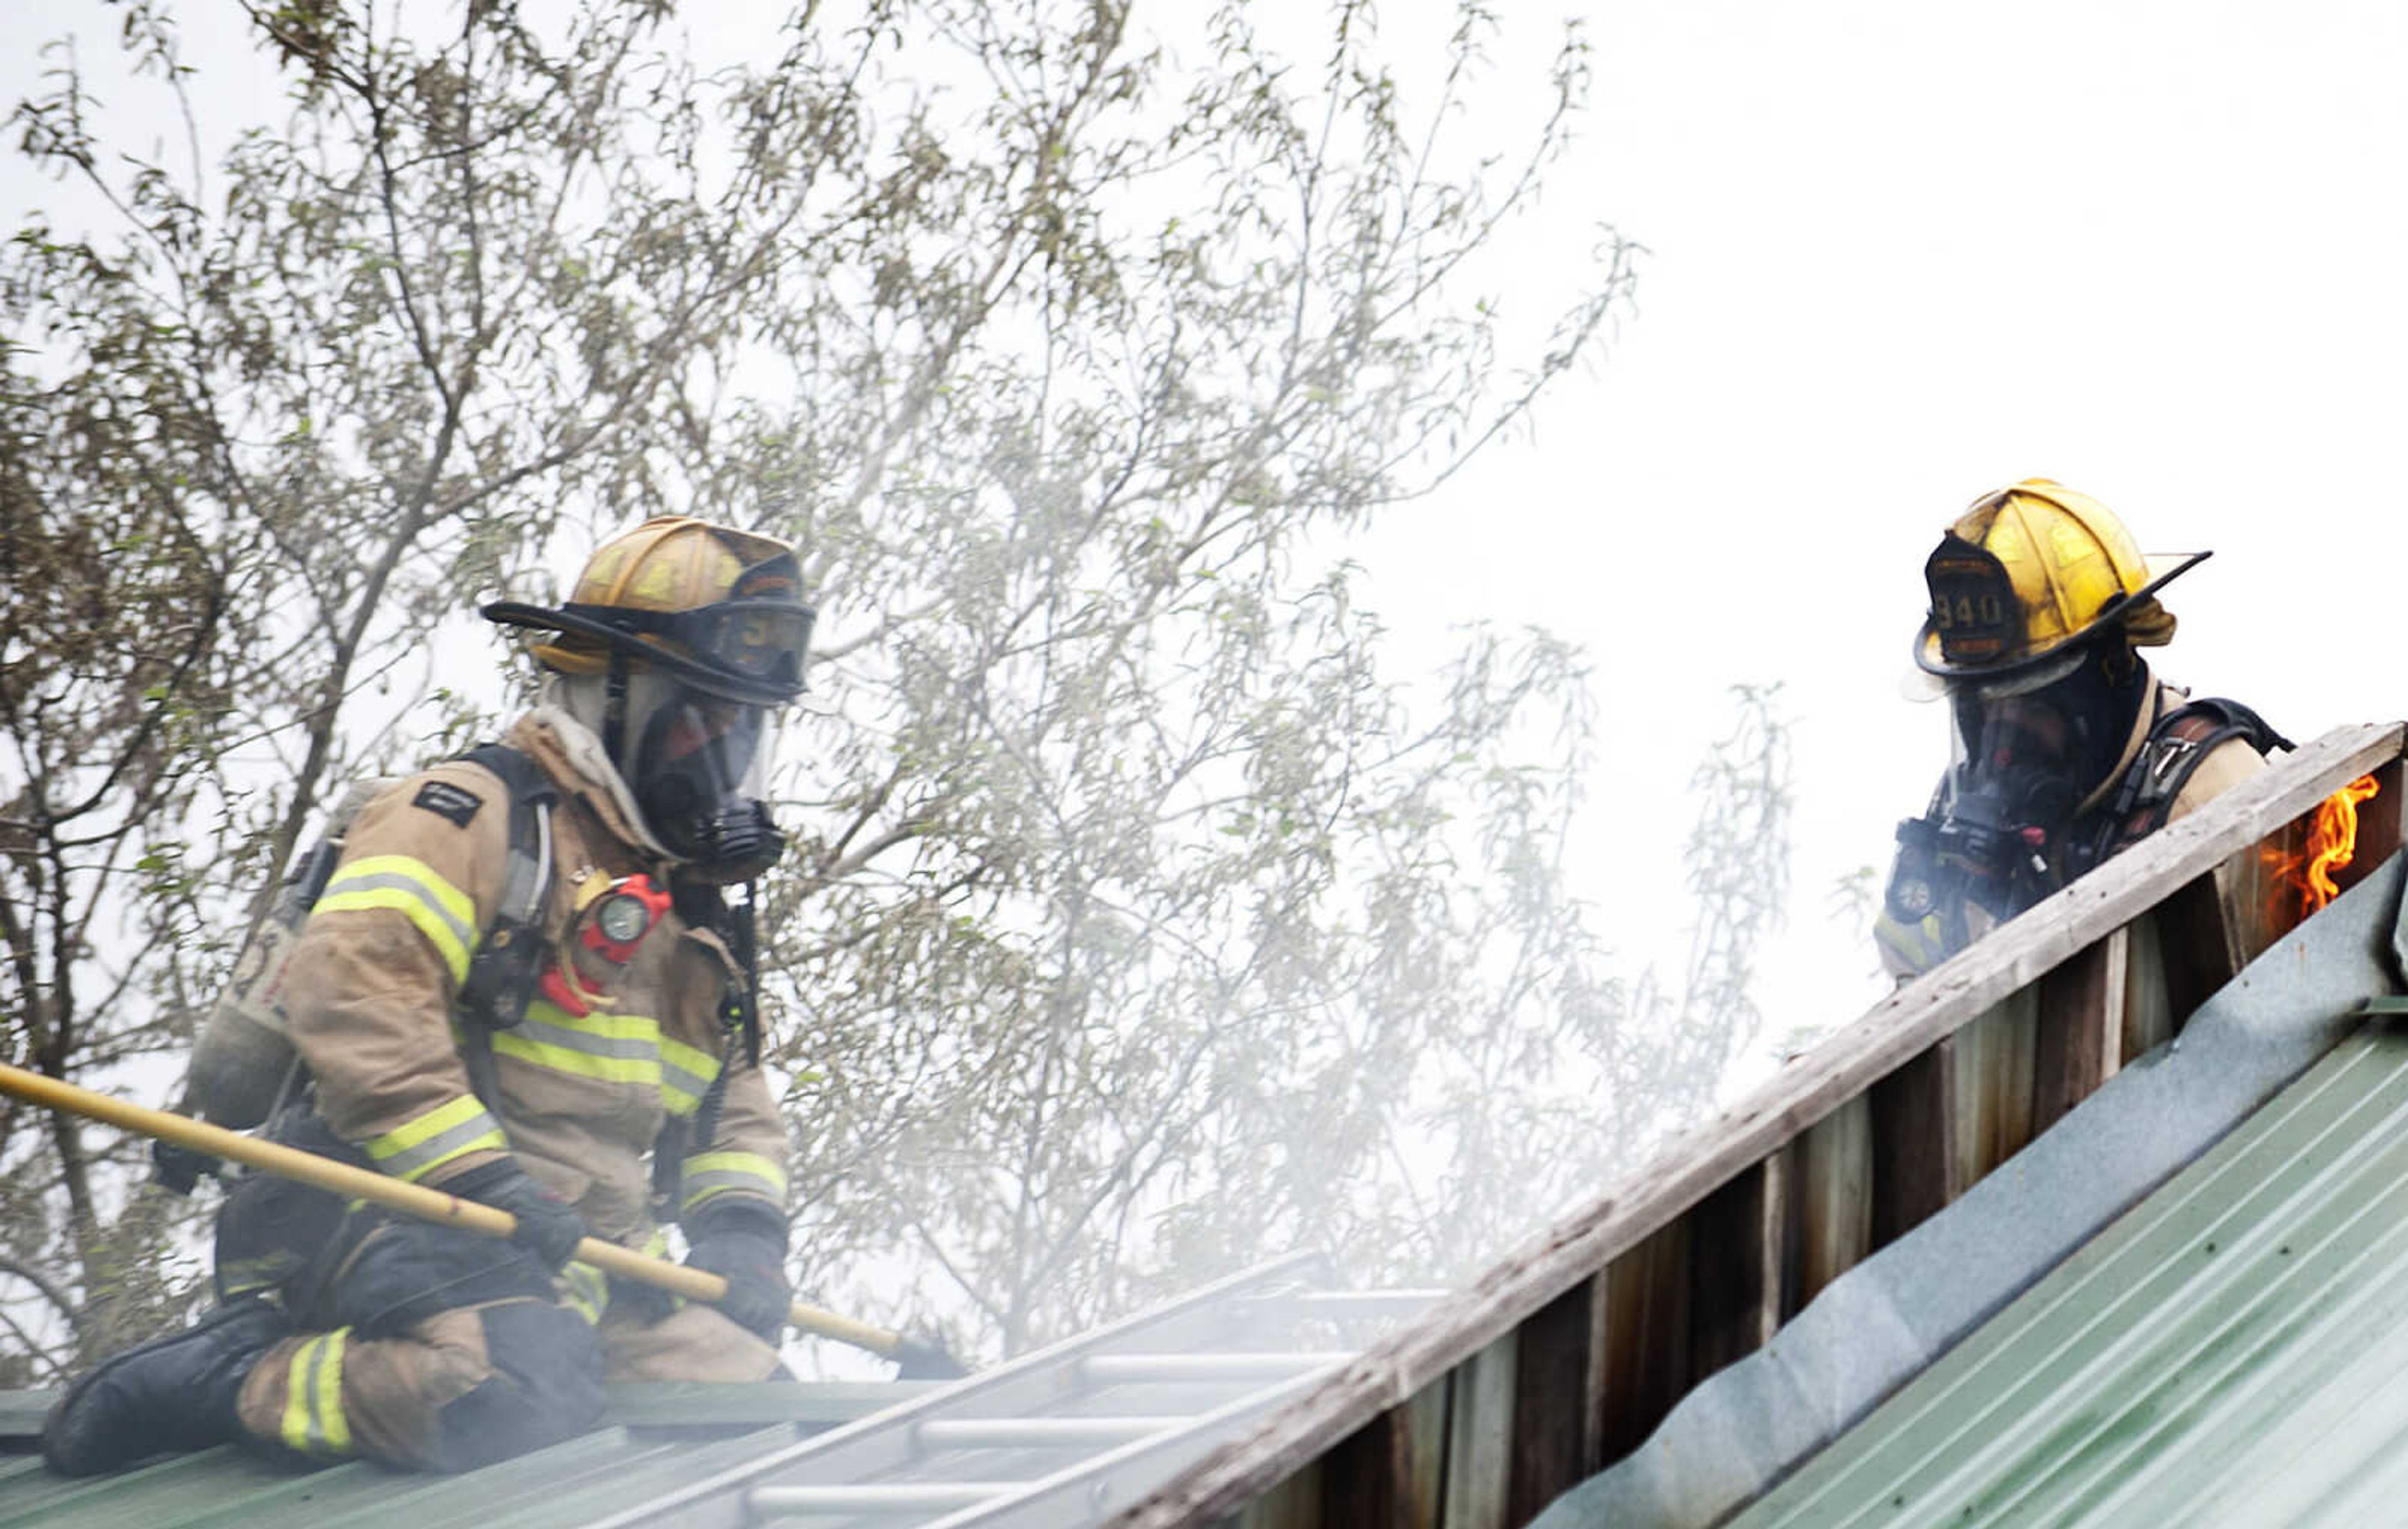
(1872, 1332)
(667, 1436)
(2232, 1350)
(1046, 1440)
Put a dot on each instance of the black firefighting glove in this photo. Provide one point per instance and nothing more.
(744, 1243)
(547, 1226)
(179, 1170)
(923, 1356)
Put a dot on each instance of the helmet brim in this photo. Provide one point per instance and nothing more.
(2163, 570)
(744, 690)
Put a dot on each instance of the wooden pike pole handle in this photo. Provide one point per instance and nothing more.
(416, 1200)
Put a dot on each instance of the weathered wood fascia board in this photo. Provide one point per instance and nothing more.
(1699, 1161)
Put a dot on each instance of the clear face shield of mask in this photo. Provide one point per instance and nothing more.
(2026, 753)
(2008, 801)
(700, 766)
(2014, 768)
(2063, 721)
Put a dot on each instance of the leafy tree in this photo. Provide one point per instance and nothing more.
(262, 452)
(1140, 923)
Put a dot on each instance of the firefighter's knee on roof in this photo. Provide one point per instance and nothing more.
(458, 1389)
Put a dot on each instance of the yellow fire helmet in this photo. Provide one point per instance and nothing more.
(719, 608)
(2024, 575)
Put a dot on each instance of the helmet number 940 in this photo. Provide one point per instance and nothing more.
(1966, 610)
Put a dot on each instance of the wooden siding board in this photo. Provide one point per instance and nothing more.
(2259, 892)
(1780, 1234)
(1368, 1477)
(1834, 1217)
(2197, 948)
(1646, 1336)
(2148, 1001)
(1894, 1031)
(1479, 1436)
(2081, 1027)
(1914, 1156)
(1784, 1235)
(1425, 1431)
(1994, 1061)
(1291, 1503)
(1555, 1433)
(1734, 1273)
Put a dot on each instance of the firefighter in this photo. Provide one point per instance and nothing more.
(2065, 747)
(624, 1088)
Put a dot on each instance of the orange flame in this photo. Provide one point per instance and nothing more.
(2332, 843)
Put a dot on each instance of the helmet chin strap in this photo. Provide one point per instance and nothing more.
(614, 714)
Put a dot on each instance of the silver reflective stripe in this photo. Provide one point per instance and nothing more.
(629, 1047)
(443, 1144)
(674, 1076)
(392, 881)
(313, 1391)
(711, 1181)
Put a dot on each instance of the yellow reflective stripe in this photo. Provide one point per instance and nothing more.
(408, 868)
(411, 887)
(601, 1026)
(708, 1174)
(612, 1047)
(657, 1245)
(335, 1425)
(586, 1290)
(296, 1396)
(448, 1131)
(314, 1421)
(685, 1075)
(561, 1059)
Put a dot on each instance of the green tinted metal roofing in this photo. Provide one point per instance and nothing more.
(668, 1437)
(2234, 1349)
(1044, 1440)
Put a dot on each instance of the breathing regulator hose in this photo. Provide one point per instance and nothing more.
(920, 1357)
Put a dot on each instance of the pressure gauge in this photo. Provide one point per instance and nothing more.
(621, 918)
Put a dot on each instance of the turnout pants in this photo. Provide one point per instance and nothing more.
(428, 1346)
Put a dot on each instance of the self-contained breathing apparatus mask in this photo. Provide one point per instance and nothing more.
(698, 766)
(2027, 751)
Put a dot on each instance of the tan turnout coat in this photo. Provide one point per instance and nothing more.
(582, 1098)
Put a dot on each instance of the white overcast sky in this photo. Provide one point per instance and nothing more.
(1902, 251)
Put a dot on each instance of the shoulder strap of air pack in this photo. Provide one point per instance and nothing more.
(509, 962)
(2175, 748)
(740, 1020)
